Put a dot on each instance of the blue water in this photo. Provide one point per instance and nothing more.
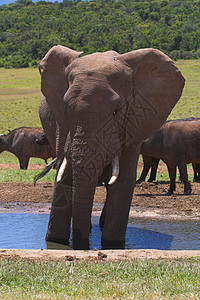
(27, 231)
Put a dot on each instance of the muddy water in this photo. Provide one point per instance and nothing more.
(27, 231)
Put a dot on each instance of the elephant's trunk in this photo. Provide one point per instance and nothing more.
(87, 166)
(82, 201)
(86, 156)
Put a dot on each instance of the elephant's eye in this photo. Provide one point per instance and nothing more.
(116, 110)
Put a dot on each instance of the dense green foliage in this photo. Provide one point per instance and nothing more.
(28, 30)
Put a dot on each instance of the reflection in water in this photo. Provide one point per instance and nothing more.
(52, 246)
(27, 231)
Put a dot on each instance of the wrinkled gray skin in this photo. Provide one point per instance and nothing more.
(22, 143)
(177, 143)
(48, 122)
(94, 109)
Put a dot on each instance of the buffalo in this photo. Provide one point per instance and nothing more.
(22, 143)
(177, 143)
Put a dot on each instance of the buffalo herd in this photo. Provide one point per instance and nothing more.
(176, 143)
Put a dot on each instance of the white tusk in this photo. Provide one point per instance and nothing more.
(61, 170)
(115, 170)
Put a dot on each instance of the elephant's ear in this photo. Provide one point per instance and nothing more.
(157, 86)
(52, 70)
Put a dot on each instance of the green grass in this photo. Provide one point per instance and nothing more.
(10, 175)
(13, 175)
(164, 176)
(20, 79)
(162, 279)
(11, 158)
(189, 104)
(20, 96)
(148, 279)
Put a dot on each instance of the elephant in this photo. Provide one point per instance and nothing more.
(96, 110)
(177, 143)
(22, 143)
(48, 122)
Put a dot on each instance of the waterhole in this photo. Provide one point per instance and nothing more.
(27, 231)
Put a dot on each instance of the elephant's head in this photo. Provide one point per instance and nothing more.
(104, 105)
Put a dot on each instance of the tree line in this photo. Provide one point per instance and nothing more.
(28, 30)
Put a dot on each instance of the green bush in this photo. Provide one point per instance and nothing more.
(16, 62)
(28, 30)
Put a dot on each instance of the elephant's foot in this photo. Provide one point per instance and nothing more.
(102, 221)
(101, 224)
(90, 226)
(58, 241)
(81, 244)
(78, 242)
(112, 244)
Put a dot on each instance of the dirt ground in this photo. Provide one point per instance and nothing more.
(149, 201)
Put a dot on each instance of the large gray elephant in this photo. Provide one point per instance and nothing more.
(102, 106)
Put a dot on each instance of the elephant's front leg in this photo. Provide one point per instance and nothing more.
(119, 199)
(61, 211)
(103, 213)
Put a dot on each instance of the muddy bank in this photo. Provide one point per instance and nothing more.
(70, 256)
(149, 200)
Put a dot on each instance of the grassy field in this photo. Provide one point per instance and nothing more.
(148, 279)
(20, 96)
(189, 104)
